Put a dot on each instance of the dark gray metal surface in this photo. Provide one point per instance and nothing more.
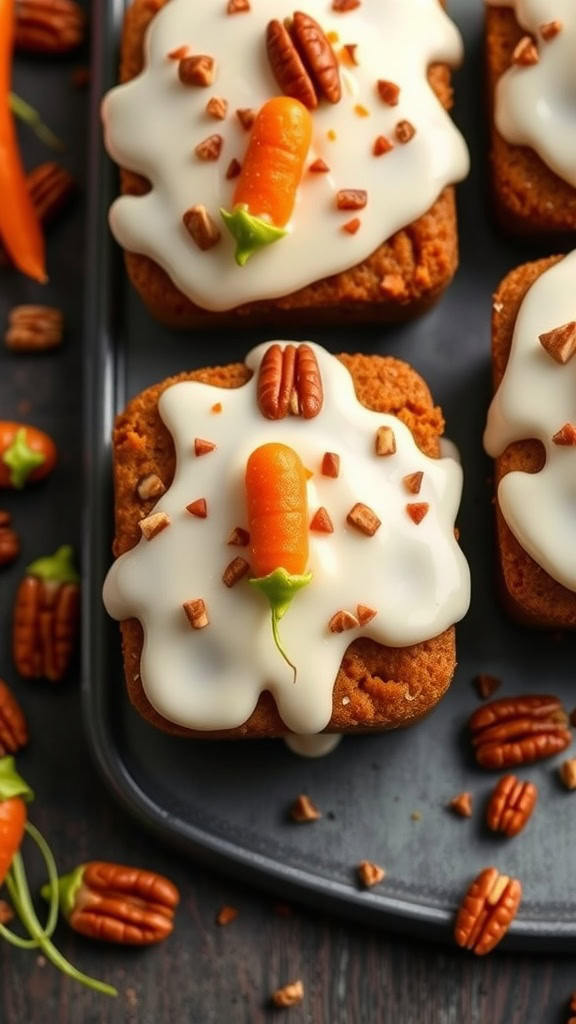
(226, 802)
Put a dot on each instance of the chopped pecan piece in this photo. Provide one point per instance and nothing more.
(34, 328)
(239, 538)
(210, 148)
(196, 613)
(365, 614)
(198, 508)
(487, 910)
(413, 482)
(246, 116)
(198, 69)
(487, 685)
(550, 30)
(404, 131)
(525, 53)
(331, 465)
(235, 571)
(566, 436)
(321, 522)
(364, 519)
(152, 525)
(517, 730)
(303, 810)
(289, 995)
(226, 915)
(560, 343)
(568, 773)
(319, 167)
(237, 6)
(203, 447)
(234, 168)
(179, 53)
(201, 227)
(417, 510)
(388, 92)
(217, 107)
(150, 486)
(348, 55)
(461, 805)
(511, 805)
(382, 145)
(369, 873)
(351, 199)
(385, 443)
(352, 226)
(342, 621)
(343, 6)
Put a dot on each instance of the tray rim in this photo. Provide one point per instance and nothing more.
(103, 389)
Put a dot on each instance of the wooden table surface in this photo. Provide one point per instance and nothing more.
(203, 974)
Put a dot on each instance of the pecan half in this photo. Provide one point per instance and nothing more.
(118, 904)
(13, 728)
(317, 55)
(289, 381)
(48, 26)
(34, 328)
(9, 540)
(487, 911)
(45, 617)
(511, 805)
(517, 730)
(287, 66)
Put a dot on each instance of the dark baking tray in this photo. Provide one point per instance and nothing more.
(226, 803)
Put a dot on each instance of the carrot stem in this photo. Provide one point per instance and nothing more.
(32, 118)
(280, 588)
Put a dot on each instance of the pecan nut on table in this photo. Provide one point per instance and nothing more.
(45, 617)
(518, 730)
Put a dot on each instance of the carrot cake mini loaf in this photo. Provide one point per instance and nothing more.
(532, 81)
(286, 165)
(286, 552)
(531, 433)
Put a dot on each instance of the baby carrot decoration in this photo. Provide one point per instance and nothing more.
(278, 518)
(271, 172)
(14, 795)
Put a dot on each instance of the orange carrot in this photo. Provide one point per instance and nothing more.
(19, 225)
(278, 521)
(12, 823)
(266, 188)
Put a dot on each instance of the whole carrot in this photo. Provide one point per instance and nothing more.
(271, 172)
(278, 520)
(19, 226)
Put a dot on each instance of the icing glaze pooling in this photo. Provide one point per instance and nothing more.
(153, 123)
(416, 577)
(535, 105)
(535, 399)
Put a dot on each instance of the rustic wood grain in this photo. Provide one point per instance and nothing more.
(203, 974)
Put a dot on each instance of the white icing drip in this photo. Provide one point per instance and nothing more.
(416, 577)
(313, 746)
(535, 105)
(153, 123)
(536, 397)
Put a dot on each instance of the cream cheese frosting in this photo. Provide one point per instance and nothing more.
(535, 104)
(414, 576)
(153, 123)
(536, 397)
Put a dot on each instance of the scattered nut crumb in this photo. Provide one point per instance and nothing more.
(364, 519)
(352, 226)
(201, 227)
(342, 621)
(389, 92)
(198, 508)
(226, 915)
(217, 107)
(150, 486)
(246, 116)
(381, 145)
(321, 522)
(152, 525)
(416, 816)
(234, 168)
(196, 613)
(202, 447)
(319, 167)
(365, 614)
(343, 6)
(331, 465)
(487, 685)
(462, 805)
(238, 537)
(369, 873)
(303, 810)
(385, 441)
(351, 199)
(179, 53)
(404, 131)
(216, 408)
(568, 773)
(413, 482)
(417, 510)
(238, 6)
(197, 70)
(289, 995)
(235, 571)
(210, 148)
